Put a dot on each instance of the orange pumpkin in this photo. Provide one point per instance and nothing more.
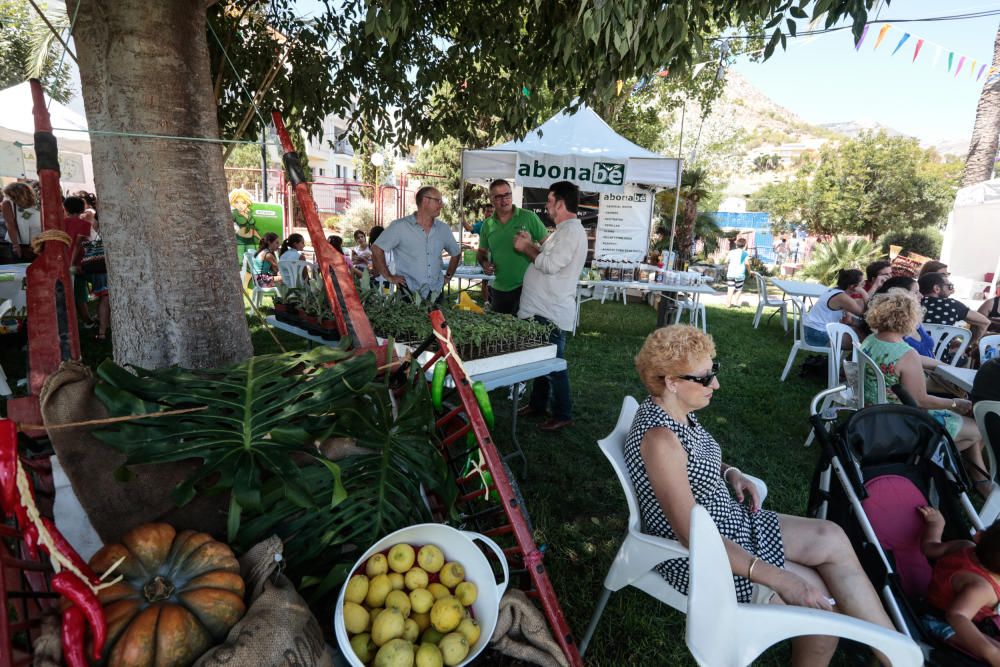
(180, 594)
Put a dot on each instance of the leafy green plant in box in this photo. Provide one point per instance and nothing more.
(383, 486)
(257, 415)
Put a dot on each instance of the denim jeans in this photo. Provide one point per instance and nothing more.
(554, 385)
(815, 337)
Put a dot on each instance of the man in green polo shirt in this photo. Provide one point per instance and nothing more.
(496, 247)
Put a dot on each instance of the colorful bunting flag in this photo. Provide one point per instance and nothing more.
(982, 69)
(864, 33)
(916, 51)
(906, 36)
(937, 56)
(972, 69)
(619, 87)
(961, 61)
(526, 91)
(881, 35)
(951, 56)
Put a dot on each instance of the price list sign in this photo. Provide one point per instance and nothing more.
(623, 225)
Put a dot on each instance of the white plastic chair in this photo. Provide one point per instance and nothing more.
(639, 553)
(989, 348)
(866, 365)
(766, 301)
(247, 273)
(981, 410)
(944, 335)
(695, 311)
(837, 332)
(294, 272)
(798, 335)
(724, 633)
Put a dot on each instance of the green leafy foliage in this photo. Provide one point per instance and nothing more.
(840, 253)
(469, 69)
(868, 186)
(383, 485)
(258, 413)
(28, 49)
(926, 242)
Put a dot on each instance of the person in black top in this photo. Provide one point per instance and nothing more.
(990, 309)
(940, 308)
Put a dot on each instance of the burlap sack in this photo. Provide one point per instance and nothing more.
(278, 629)
(522, 632)
(113, 506)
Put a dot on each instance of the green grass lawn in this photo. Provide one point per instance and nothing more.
(572, 495)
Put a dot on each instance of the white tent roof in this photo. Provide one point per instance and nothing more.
(17, 123)
(971, 245)
(578, 147)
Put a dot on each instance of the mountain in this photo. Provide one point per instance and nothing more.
(853, 128)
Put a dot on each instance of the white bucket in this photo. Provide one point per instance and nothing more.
(457, 545)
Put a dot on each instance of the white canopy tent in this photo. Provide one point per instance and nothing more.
(578, 147)
(971, 246)
(17, 134)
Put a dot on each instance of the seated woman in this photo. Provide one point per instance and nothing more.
(921, 341)
(893, 316)
(265, 264)
(674, 463)
(291, 251)
(361, 253)
(833, 306)
(990, 309)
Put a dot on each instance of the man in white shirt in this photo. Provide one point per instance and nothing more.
(548, 295)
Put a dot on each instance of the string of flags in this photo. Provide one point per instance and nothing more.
(976, 69)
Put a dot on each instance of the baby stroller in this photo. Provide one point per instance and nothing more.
(888, 460)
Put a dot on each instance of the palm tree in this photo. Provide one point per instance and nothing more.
(840, 253)
(986, 132)
(694, 188)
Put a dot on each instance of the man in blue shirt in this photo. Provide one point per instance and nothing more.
(417, 242)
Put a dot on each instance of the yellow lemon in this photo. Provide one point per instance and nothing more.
(466, 593)
(378, 588)
(446, 614)
(387, 626)
(454, 647)
(431, 636)
(363, 646)
(355, 617)
(470, 629)
(421, 600)
(396, 580)
(398, 600)
(430, 558)
(376, 565)
(411, 631)
(401, 557)
(395, 653)
(429, 655)
(423, 620)
(357, 589)
(438, 590)
(416, 578)
(452, 574)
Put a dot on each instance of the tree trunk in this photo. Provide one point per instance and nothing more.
(165, 219)
(985, 134)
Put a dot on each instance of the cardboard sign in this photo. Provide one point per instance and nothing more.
(623, 225)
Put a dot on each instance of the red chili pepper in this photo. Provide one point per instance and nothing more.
(67, 550)
(73, 637)
(68, 585)
(8, 466)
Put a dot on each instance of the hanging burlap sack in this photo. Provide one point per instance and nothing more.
(278, 629)
(112, 506)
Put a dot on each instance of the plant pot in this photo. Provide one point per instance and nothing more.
(459, 546)
(328, 330)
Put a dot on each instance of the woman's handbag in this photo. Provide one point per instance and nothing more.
(93, 257)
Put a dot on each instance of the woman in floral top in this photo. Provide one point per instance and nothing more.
(893, 316)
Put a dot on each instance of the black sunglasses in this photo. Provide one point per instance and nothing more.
(703, 380)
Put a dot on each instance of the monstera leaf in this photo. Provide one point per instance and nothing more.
(255, 417)
(385, 486)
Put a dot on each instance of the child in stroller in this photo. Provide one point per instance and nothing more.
(965, 585)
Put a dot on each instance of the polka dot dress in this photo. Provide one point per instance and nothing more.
(758, 533)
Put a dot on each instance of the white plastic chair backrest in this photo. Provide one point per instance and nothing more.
(5, 306)
(798, 312)
(837, 331)
(292, 272)
(712, 605)
(246, 270)
(981, 409)
(989, 348)
(943, 335)
(867, 364)
(613, 446)
(762, 290)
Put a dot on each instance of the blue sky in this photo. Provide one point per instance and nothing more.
(823, 79)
